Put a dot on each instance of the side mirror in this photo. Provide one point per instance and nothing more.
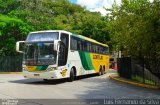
(17, 46)
(56, 45)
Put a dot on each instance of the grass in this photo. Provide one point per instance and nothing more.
(146, 81)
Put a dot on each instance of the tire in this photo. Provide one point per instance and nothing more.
(72, 75)
(103, 70)
(100, 71)
(46, 80)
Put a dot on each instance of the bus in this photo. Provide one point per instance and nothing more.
(57, 54)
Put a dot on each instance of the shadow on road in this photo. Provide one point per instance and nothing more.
(85, 76)
(103, 88)
(39, 81)
(49, 82)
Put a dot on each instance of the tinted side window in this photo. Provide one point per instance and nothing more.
(106, 50)
(73, 43)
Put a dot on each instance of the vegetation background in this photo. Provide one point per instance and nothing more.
(132, 27)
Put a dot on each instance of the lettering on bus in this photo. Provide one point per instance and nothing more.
(99, 57)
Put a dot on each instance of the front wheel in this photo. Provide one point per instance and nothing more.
(72, 75)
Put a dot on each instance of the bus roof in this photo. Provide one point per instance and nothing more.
(51, 31)
(89, 39)
(79, 36)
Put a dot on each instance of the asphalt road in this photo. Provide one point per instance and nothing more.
(93, 87)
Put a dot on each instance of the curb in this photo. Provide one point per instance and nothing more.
(133, 83)
(10, 72)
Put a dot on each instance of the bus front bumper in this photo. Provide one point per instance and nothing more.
(42, 75)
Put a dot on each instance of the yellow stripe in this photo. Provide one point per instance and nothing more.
(30, 68)
(92, 40)
(133, 83)
(10, 72)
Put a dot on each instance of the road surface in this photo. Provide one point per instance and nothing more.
(93, 87)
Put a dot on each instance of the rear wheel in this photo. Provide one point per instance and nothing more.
(100, 71)
(104, 71)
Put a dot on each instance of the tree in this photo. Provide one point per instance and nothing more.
(91, 25)
(7, 6)
(133, 29)
(44, 14)
(11, 30)
(59, 15)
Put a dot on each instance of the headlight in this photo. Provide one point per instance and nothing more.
(24, 69)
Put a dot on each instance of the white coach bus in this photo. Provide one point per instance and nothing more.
(56, 54)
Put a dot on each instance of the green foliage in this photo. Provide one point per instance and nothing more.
(141, 80)
(48, 15)
(8, 5)
(11, 30)
(135, 28)
(92, 25)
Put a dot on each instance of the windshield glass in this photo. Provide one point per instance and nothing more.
(40, 53)
(43, 36)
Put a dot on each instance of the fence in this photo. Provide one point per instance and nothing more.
(138, 70)
(11, 64)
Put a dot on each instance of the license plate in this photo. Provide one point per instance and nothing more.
(36, 74)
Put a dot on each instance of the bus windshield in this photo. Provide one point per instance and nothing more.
(40, 53)
(43, 36)
(39, 48)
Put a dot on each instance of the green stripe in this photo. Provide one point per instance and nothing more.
(41, 68)
(86, 60)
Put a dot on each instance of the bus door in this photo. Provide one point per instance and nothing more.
(63, 49)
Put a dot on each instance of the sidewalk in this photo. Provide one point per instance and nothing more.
(114, 76)
(10, 72)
